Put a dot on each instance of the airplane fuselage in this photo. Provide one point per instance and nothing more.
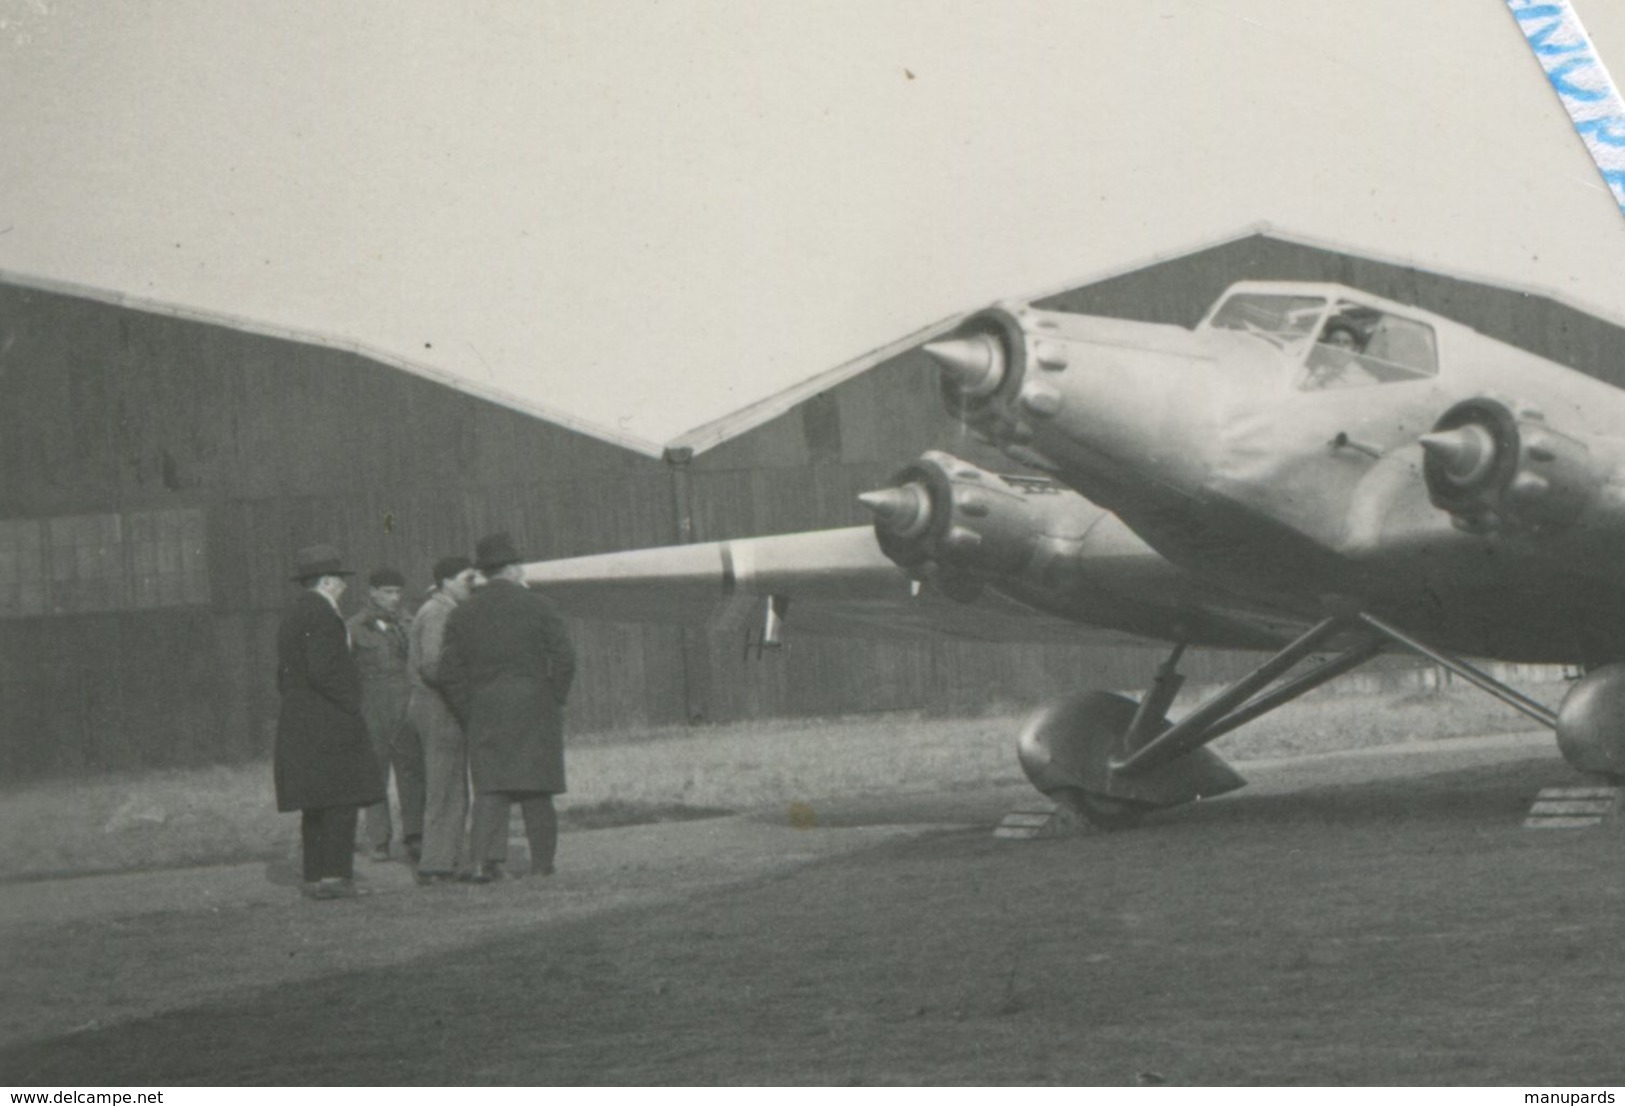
(1264, 459)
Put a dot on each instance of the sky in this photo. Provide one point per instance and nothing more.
(648, 214)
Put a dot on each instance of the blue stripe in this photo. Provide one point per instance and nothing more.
(1581, 82)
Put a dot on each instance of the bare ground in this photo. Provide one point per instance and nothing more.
(1377, 917)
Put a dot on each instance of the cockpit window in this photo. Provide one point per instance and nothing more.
(1282, 320)
(1361, 345)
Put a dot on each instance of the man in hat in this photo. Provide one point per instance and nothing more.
(445, 749)
(323, 764)
(378, 637)
(506, 670)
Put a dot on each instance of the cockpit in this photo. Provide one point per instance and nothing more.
(1338, 342)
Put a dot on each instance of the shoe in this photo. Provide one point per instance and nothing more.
(323, 889)
(379, 854)
(434, 879)
(485, 873)
(414, 848)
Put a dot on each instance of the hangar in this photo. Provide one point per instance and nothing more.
(162, 465)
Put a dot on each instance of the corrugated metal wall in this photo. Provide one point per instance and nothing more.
(107, 412)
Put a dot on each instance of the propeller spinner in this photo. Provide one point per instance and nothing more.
(974, 363)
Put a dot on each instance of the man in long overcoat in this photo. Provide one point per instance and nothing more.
(506, 668)
(323, 762)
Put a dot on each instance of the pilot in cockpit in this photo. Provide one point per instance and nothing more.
(1335, 362)
(1341, 335)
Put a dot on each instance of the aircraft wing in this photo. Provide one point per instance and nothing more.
(1112, 589)
(832, 582)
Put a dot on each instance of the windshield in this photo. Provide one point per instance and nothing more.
(1282, 320)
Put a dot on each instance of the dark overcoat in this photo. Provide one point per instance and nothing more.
(323, 757)
(506, 668)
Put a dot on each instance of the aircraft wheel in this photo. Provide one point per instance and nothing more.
(1066, 748)
(1102, 811)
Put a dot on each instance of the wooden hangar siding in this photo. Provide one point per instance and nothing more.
(125, 434)
(159, 473)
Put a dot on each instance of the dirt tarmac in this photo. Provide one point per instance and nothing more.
(1376, 917)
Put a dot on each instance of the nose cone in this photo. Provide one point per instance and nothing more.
(905, 511)
(1466, 453)
(974, 364)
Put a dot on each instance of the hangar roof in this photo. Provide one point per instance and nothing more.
(709, 435)
(718, 431)
(251, 326)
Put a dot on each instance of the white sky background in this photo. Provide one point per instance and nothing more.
(648, 214)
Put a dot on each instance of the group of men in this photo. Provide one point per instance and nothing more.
(471, 687)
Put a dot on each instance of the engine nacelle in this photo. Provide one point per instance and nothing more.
(1496, 470)
(1591, 723)
(948, 520)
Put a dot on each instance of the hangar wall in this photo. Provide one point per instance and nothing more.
(160, 471)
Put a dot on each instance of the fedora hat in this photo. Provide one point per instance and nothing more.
(318, 560)
(447, 567)
(494, 551)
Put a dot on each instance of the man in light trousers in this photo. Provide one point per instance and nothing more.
(445, 748)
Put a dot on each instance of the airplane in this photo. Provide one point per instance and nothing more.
(1312, 472)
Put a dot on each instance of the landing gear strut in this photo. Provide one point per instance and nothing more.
(1112, 760)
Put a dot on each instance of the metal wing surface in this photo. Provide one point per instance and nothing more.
(832, 582)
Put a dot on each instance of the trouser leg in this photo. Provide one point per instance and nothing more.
(542, 831)
(445, 813)
(410, 782)
(383, 707)
(340, 840)
(327, 836)
(310, 842)
(376, 828)
(490, 833)
(494, 848)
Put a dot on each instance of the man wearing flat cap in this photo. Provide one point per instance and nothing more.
(378, 637)
(323, 764)
(506, 670)
(429, 718)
